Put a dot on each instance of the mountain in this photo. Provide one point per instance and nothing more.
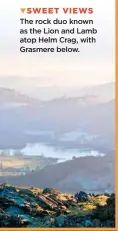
(9, 98)
(20, 114)
(103, 92)
(10, 95)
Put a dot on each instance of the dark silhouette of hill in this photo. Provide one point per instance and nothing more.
(93, 174)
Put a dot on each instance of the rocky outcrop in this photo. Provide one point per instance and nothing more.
(33, 207)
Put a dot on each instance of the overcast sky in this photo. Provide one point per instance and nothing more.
(93, 65)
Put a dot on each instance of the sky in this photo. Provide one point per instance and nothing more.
(94, 64)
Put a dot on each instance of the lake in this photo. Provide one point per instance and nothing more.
(63, 154)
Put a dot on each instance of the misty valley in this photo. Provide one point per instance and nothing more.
(57, 131)
(57, 158)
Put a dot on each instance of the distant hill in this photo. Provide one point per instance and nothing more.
(103, 92)
(10, 95)
(22, 113)
(10, 98)
(92, 174)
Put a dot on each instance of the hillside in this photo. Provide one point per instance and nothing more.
(10, 98)
(23, 115)
(103, 92)
(33, 207)
(79, 110)
(92, 174)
